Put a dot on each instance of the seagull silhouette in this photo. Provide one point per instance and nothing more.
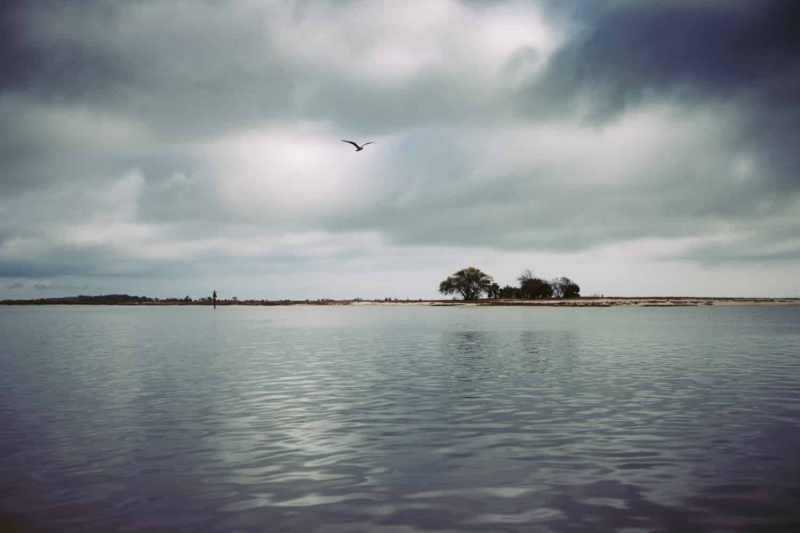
(358, 148)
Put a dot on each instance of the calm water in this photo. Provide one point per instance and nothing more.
(399, 419)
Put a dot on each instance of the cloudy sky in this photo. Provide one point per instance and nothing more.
(174, 147)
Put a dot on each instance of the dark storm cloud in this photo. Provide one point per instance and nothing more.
(743, 53)
(72, 68)
(186, 69)
(703, 49)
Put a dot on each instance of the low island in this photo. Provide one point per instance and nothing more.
(592, 301)
(468, 287)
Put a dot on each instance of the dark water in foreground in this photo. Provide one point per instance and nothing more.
(399, 419)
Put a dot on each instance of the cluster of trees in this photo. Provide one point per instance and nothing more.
(471, 283)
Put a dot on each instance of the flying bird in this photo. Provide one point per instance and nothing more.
(358, 148)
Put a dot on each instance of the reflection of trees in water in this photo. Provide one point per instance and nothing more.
(547, 351)
(469, 353)
(480, 355)
(471, 342)
(531, 354)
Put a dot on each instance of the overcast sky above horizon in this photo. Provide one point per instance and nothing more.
(173, 147)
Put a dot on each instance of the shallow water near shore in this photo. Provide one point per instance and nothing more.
(338, 419)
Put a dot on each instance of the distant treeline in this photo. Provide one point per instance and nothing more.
(471, 284)
(84, 300)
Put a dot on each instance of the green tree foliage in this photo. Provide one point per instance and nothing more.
(567, 288)
(536, 288)
(493, 291)
(470, 283)
(509, 292)
(531, 287)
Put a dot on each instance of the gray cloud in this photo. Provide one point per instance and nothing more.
(705, 49)
(58, 287)
(154, 140)
(690, 53)
(194, 69)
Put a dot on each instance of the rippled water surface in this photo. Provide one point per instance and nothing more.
(394, 419)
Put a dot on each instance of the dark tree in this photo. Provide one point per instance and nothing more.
(526, 275)
(470, 283)
(493, 291)
(531, 287)
(509, 292)
(568, 288)
(536, 288)
(565, 288)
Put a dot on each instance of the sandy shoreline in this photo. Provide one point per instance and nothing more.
(602, 302)
(654, 301)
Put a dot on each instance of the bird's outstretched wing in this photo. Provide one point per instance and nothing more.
(351, 142)
(371, 142)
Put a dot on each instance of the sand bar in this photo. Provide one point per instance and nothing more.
(648, 301)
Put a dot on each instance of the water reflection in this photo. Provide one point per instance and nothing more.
(387, 419)
(468, 354)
